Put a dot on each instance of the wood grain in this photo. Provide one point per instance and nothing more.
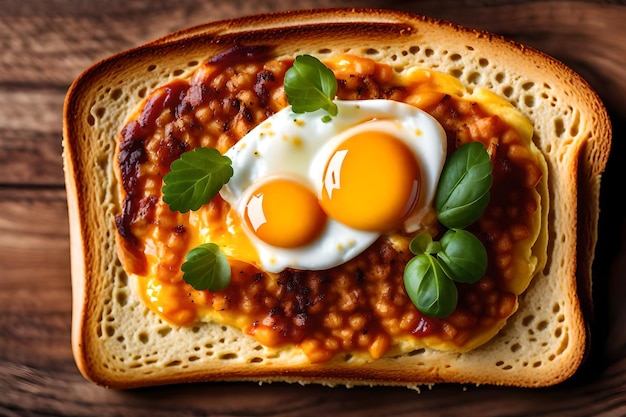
(46, 45)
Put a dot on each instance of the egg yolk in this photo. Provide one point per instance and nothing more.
(284, 213)
(371, 182)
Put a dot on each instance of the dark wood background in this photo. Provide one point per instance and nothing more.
(44, 45)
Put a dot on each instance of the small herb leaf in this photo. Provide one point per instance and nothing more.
(429, 288)
(463, 256)
(195, 178)
(310, 86)
(419, 244)
(206, 268)
(459, 256)
(463, 191)
(424, 243)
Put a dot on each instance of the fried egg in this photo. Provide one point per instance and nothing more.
(313, 194)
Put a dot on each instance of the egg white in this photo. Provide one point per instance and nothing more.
(298, 146)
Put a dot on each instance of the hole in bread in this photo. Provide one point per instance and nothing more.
(122, 278)
(100, 111)
(143, 337)
(193, 358)
(192, 63)
(456, 73)
(507, 91)
(500, 77)
(324, 51)
(256, 360)
(164, 331)
(91, 121)
(483, 62)
(416, 352)
(429, 52)
(529, 100)
(151, 67)
(556, 307)
(142, 92)
(527, 320)
(116, 94)
(515, 347)
(469, 47)
(455, 57)
(414, 50)
(574, 129)
(564, 345)
(528, 85)
(122, 298)
(558, 332)
(173, 363)
(542, 325)
(178, 72)
(499, 363)
(537, 364)
(507, 368)
(228, 356)
(474, 78)
(110, 330)
(371, 51)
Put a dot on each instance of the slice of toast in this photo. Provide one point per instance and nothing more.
(118, 342)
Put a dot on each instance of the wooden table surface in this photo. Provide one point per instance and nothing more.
(44, 45)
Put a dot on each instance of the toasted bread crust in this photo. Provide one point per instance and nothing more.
(541, 345)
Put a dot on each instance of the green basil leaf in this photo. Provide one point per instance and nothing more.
(419, 244)
(463, 256)
(426, 284)
(463, 191)
(206, 268)
(310, 86)
(424, 243)
(195, 178)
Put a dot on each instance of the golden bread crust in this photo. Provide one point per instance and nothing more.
(118, 343)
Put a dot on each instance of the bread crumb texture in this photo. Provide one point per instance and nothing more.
(126, 345)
